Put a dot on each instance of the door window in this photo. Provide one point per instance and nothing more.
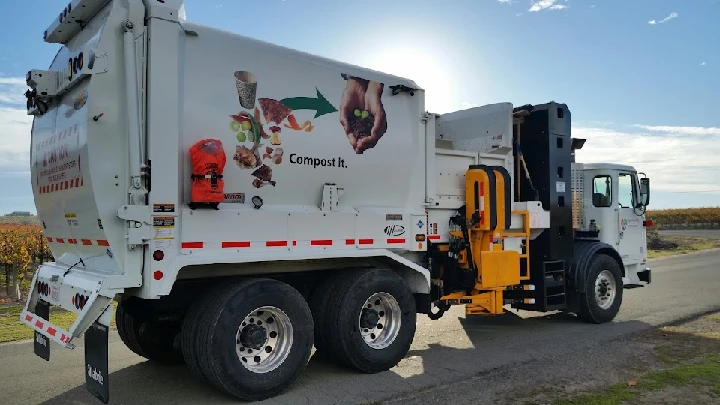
(602, 191)
(626, 191)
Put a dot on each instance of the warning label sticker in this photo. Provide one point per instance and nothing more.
(163, 207)
(57, 160)
(163, 228)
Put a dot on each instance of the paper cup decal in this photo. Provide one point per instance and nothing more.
(247, 88)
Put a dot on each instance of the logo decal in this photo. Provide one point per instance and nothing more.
(95, 375)
(394, 230)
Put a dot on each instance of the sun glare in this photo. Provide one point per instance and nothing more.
(424, 67)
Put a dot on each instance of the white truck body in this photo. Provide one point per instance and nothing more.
(131, 92)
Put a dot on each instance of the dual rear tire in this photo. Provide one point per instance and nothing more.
(252, 339)
(364, 319)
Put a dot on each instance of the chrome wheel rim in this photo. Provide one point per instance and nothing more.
(264, 339)
(605, 289)
(379, 320)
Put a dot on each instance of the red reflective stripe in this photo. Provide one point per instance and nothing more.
(28, 318)
(192, 245)
(51, 331)
(39, 324)
(86, 242)
(366, 241)
(322, 242)
(73, 241)
(230, 245)
(59, 240)
(103, 243)
(349, 241)
(49, 239)
(433, 237)
(396, 240)
(276, 243)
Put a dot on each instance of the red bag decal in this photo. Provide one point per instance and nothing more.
(208, 164)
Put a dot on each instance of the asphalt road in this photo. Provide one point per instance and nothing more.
(453, 351)
(696, 233)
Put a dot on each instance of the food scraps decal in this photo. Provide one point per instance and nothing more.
(260, 129)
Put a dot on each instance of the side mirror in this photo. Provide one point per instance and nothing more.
(645, 191)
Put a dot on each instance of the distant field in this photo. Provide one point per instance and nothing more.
(686, 218)
(19, 220)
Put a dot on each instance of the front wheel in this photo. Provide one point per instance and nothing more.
(603, 291)
(367, 320)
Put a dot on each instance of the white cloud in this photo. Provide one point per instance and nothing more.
(538, 5)
(703, 64)
(13, 80)
(15, 126)
(664, 20)
(696, 131)
(676, 158)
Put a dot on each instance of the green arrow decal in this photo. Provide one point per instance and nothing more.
(320, 105)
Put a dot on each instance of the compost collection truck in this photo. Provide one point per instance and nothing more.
(243, 202)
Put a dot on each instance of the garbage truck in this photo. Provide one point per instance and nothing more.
(233, 204)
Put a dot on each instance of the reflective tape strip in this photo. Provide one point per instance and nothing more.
(63, 185)
(73, 241)
(394, 241)
(285, 243)
(321, 242)
(228, 245)
(46, 328)
(192, 245)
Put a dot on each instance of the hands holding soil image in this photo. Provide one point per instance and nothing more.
(362, 114)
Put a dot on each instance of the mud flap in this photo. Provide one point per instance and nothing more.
(42, 343)
(97, 380)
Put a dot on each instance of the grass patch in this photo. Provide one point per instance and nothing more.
(685, 245)
(11, 329)
(688, 370)
(702, 374)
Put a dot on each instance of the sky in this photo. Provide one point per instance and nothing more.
(641, 78)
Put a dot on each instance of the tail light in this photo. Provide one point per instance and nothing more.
(648, 223)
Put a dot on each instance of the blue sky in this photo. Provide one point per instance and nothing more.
(641, 77)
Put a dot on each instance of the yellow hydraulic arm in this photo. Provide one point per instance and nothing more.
(488, 215)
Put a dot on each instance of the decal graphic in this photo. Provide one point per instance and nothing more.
(362, 114)
(394, 230)
(259, 128)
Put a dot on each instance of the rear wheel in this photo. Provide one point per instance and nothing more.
(367, 319)
(252, 339)
(603, 291)
(153, 339)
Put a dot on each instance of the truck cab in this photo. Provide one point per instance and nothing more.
(611, 202)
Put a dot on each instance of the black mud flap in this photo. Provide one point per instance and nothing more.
(42, 343)
(97, 380)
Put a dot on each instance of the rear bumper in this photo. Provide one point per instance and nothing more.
(80, 292)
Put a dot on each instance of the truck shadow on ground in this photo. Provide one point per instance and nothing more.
(444, 351)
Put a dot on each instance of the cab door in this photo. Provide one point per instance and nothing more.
(631, 231)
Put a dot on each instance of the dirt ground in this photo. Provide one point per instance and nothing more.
(678, 364)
